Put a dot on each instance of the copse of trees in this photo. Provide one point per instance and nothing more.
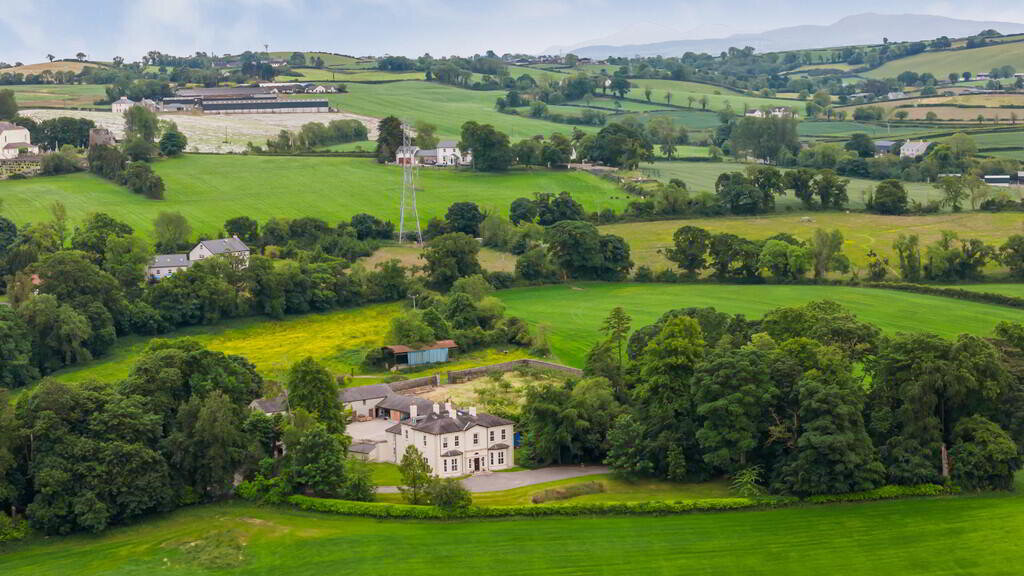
(315, 135)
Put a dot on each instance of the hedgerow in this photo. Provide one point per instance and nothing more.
(884, 493)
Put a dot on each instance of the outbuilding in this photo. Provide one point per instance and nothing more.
(399, 355)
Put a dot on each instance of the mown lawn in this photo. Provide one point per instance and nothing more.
(385, 473)
(861, 231)
(616, 490)
(209, 189)
(971, 535)
(573, 313)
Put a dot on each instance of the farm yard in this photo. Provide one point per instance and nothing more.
(573, 313)
(861, 231)
(209, 189)
(933, 535)
(215, 133)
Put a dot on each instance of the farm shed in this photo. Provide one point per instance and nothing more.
(400, 355)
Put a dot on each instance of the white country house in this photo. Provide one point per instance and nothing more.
(14, 140)
(447, 153)
(455, 442)
(164, 265)
(123, 104)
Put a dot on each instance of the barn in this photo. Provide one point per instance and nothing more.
(402, 356)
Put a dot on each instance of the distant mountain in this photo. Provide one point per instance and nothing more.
(867, 28)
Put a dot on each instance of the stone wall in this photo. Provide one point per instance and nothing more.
(27, 165)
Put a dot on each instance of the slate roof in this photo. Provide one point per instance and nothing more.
(447, 144)
(362, 447)
(406, 150)
(170, 261)
(225, 245)
(446, 423)
(365, 392)
(499, 446)
(396, 429)
(401, 348)
(422, 153)
(403, 404)
(270, 405)
(222, 92)
(915, 148)
(9, 126)
(884, 143)
(451, 453)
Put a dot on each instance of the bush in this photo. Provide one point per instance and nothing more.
(11, 529)
(449, 494)
(888, 492)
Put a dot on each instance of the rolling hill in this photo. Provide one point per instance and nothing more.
(941, 63)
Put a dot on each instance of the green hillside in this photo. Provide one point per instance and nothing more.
(209, 189)
(941, 63)
(573, 313)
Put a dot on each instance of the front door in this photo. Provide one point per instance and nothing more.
(476, 464)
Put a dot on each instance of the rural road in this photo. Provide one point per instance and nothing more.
(496, 481)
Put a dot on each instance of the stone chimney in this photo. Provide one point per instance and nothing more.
(472, 411)
(413, 412)
(437, 408)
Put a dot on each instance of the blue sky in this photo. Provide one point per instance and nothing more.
(30, 29)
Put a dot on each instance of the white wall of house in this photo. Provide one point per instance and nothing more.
(474, 444)
(363, 407)
(161, 272)
(18, 136)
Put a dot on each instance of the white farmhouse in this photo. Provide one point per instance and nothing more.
(13, 140)
(455, 442)
(221, 247)
(914, 149)
(448, 154)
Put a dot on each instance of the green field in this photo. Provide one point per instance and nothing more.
(209, 189)
(861, 231)
(332, 60)
(447, 107)
(841, 129)
(701, 176)
(57, 95)
(998, 139)
(717, 96)
(573, 313)
(971, 535)
(943, 62)
(369, 75)
(1007, 289)
(691, 119)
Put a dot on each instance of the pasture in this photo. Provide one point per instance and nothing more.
(691, 119)
(56, 66)
(358, 75)
(209, 189)
(701, 176)
(332, 60)
(861, 231)
(941, 63)
(57, 95)
(574, 312)
(718, 97)
(974, 535)
(845, 129)
(447, 107)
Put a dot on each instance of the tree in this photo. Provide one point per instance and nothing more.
(522, 210)
(8, 105)
(615, 328)
(647, 93)
(619, 145)
(826, 252)
(909, 251)
(450, 257)
(415, 472)
(954, 192)
(738, 193)
(316, 464)
(97, 229)
(862, 144)
(209, 445)
(984, 456)
(16, 368)
(247, 229)
(141, 123)
(690, 247)
(831, 190)
(464, 217)
(783, 260)
(890, 198)
(171, 231)
(312, 388)
(173, 142)
(389, 139)
(80, 55)
(412, 328)
(426, 135)
(449, 494)
(490, 148)
(801, 182)
(59, 333)
(665, 134)
(833, 453)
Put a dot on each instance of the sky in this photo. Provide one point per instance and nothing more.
(102, 29)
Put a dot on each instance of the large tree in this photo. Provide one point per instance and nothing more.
(450, 257)
(312, 388)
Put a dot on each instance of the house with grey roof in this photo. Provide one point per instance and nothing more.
(914, 149)
(164, 265)
(233, 247)
(455, 442)
(271, 406)
(883, 147)
(15, 140)
(398, 407)
(363, 400)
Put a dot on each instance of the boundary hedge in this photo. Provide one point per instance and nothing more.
(959, 293)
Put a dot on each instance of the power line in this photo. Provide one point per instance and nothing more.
(408, 161)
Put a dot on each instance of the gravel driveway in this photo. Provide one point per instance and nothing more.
(497, 481)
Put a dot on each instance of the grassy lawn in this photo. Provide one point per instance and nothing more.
(573, 313)
(385, 473)
(209, 189)
(701, 176)
(942, 63)
(616, 490)
(974, 535)
(447, 107)
(861, 231)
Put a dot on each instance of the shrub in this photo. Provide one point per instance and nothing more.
(11, 529)
(888, 492)
(567, 492)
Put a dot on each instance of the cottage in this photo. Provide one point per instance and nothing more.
(406, 155)
(401, 356)
(455, 442)
(883, 147)
(778, 112)
(233, 247)
(363, 400)
(164, 265)
(271, 406)
(123, 104)
(448, 154)
(895, 95)
(15, 140)
(914, 149)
